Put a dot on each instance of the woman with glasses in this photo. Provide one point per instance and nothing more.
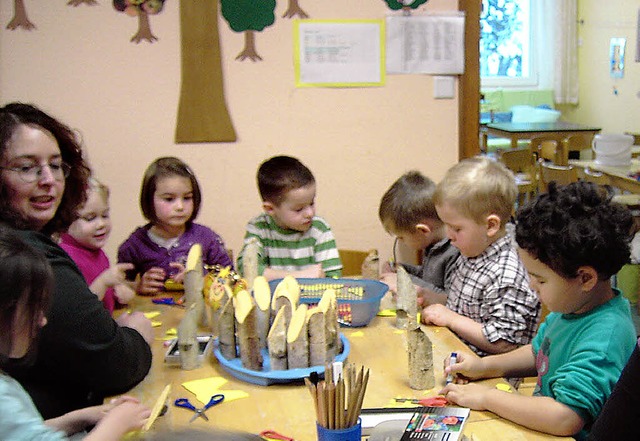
(83, 354)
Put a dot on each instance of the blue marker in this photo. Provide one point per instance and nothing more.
(453, 360)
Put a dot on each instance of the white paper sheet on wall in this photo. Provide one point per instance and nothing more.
(428, 44)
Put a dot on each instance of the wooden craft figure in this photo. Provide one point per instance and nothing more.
(371, 266)
(250, 260)
(188, 340)
(194, 283)
(420, 349)
(247, 327)
(407, 301)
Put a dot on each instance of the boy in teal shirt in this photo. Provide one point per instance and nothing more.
(571, 240)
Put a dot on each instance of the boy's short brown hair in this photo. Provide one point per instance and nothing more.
(279, 175)
(408, 202)
(478, 187)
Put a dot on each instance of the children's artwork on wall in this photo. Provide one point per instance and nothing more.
(20, 19)
(250, 16)
(616, 55)
(404, 4)
(141, 9)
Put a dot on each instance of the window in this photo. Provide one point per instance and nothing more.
(506, 44)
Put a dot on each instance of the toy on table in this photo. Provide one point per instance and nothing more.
(199, 411)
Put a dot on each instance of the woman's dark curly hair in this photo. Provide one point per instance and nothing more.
(576, 225)
(14, 115)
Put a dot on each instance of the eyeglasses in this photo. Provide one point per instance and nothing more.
(33, 173)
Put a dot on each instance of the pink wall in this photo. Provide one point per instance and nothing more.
(80, 66)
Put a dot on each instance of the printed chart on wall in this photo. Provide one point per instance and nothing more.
(427, 44)
(339, 53)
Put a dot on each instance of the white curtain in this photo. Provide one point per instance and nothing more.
(563, 16)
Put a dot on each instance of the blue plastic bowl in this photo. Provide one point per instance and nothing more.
(355, 309)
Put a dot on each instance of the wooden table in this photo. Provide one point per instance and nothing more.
(617, 176)
(288, 408)
(516, 131)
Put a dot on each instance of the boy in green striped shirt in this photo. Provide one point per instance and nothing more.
(292, 239)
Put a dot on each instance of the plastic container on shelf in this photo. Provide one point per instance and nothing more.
(612, 149)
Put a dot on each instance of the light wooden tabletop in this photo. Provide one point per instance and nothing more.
(288, 408)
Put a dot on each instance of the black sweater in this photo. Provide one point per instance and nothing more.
(82, 354)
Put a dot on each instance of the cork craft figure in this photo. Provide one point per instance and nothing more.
(194, 283)
(188, 340)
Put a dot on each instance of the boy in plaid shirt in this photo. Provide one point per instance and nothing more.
(490, 304)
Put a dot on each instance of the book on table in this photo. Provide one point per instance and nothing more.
(436, 423)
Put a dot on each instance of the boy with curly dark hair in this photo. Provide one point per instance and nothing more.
(571, 240)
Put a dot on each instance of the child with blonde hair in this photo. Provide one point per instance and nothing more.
(490, 304)
(571, 240)
(84, 241)
(170, 200)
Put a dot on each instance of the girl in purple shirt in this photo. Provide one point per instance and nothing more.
(170, 199)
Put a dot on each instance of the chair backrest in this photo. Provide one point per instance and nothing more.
(352, 261)
(550, 149)
(562, 174)
(520, 160)
(575, 143)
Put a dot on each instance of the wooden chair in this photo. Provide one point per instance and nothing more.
(551, 149)
(562, 174)
(574, 144)
(522, 163)
(352, 261)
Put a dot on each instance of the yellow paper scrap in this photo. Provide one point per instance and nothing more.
(155, 323)
(171, 332)
(151, 314)
(387, 313)
(204, 388)
(504, 387)
(357, 334)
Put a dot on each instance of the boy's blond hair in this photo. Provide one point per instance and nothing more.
(478, 187)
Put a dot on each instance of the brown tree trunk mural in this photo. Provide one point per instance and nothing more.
(202, 111)
(249, 50)
(20, 19)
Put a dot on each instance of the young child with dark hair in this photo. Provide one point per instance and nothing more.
(27, 284)
(84, 240)
(571, 240)
(170, 200)
(292, 239)
(489, 304)
(407, 212)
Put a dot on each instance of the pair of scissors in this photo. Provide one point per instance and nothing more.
(199, 411)
(167, 301)
(437, 401)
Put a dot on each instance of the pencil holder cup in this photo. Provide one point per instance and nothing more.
(353, 433)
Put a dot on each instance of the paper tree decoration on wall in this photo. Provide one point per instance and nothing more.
(141, 9)
(20, 19)
(294, 10)
(249, 16)
(404, 4)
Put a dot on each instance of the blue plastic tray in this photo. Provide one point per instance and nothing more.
(353, 311)
(268, 377)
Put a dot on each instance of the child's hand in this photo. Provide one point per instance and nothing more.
(119, 420)
(470, 395)
(139, 322)
(179, 276)
(438, 315)
(387, 268)
(152, 281)
(391, 279)
(124, 293)
(468, 366)
(115, 275)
